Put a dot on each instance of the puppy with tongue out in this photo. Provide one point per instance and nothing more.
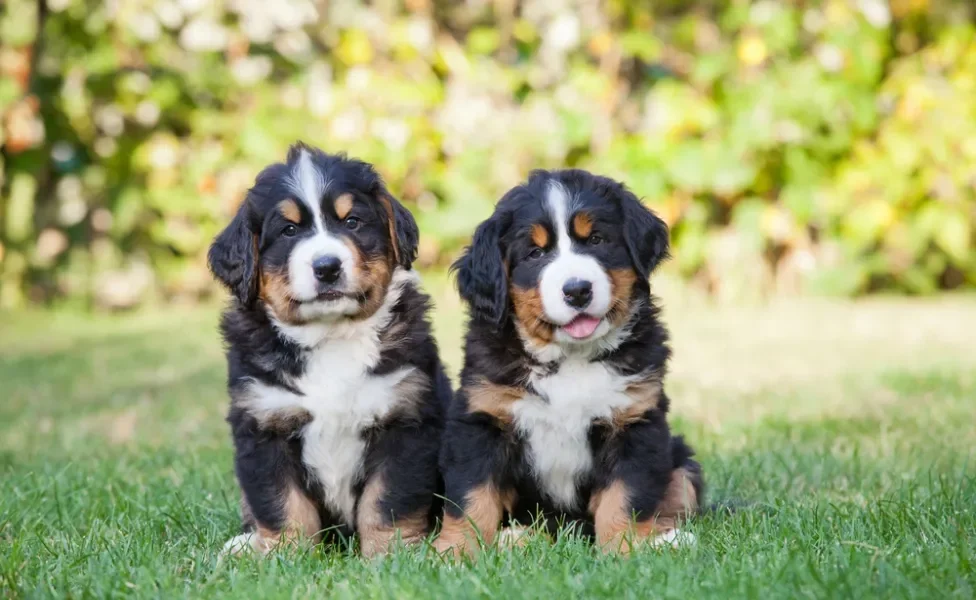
(562, 410)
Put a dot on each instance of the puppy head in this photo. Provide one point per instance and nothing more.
(565, 254)
(317, 238)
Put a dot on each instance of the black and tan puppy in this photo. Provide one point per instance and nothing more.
(337, 392)
(561, 410)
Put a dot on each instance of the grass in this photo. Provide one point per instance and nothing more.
(846, 428)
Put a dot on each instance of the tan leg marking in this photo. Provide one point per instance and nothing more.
(616, 529)
(378, 531)
(302, 527)
(483, 510)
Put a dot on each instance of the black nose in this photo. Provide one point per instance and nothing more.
(578, 293)
(327, 269)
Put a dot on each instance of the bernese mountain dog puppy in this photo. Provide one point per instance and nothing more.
(562, 411)
(337, 392)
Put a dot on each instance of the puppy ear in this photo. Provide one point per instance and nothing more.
(645, 234)
(233, 257)
(403, 230)
(481, 278)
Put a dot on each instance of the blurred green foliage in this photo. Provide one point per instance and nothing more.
(825, 146)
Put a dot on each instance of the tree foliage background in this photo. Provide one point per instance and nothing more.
(793, 146)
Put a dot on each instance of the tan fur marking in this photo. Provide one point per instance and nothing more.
(285, 421)
(343, 204)
(681, 499)
(483, 510)
(645, 395)
(410, 393)
(290, 211)
(582, 225)
(302, 524)
(388, 205)
(373, 276)
(492, 399)
(540, 235)
(621, 288)
(616, 529)
(275, 293)
(529, 312)
(378, 531)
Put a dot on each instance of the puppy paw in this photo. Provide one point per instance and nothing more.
(513, 537)
(243, 544)
(674, 538)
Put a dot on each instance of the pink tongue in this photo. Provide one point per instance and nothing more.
(582, 326)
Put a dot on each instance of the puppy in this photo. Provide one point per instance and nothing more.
(562, 410)
(337, 392)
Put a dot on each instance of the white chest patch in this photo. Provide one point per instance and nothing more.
(555, 424)
(342, 398)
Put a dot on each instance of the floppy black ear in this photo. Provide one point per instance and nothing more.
(403, 230)
(233, 257)
(645, 234)
(481, 278)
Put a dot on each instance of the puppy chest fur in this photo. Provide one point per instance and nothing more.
(555, 423)
(340, 399)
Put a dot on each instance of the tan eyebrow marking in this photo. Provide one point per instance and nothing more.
(540, 235)
(343, 204)
(289, 210)
(582, 225)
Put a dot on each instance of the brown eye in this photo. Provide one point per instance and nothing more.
(594, 240)
(352, 223)
(537, 253)
(290, 231)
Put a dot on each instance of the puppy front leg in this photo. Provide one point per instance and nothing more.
(472, 460)
(645, 496)
(276, 509)
(400, 489)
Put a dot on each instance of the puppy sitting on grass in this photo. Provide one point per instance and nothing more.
(562, 410)
(337, 392)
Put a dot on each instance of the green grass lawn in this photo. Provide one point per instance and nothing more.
(846, 429)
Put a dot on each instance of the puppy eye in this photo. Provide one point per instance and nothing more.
(594, 240)
(352, 223)
(290, 231)
(537, 253)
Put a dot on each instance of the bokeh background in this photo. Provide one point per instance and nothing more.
(797, 148)
(794, 147)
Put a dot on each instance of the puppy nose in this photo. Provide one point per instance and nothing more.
(327, 269)
(578, 293)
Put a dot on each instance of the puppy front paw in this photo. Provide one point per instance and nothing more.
(674, 538)
(244, 544)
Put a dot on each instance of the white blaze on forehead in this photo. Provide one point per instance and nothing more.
(569, 264)
(558, 202)
(308, 183)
